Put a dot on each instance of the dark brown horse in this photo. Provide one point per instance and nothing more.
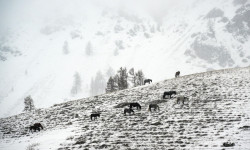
(137, 105)
(94, 116)
(147, 81)
(169, 93)
(36, 126)
(177, 74)
(155, 106)
(128, 110)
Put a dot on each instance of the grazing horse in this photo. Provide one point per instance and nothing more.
(181, 98)
(36, 126)
(177, 74)
(155, 106)
(94, 116)
(147, 81)
(169, 93)
(137, 105)
(128, 110)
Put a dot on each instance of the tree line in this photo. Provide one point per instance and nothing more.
(123, 79)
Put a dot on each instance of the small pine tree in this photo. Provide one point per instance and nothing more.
(123, 79)
(28, 104)
(89, 49)
(98, 84)
(111, 86)
(76, 88)
(65, 48)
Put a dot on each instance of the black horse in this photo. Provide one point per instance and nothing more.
(94, 116)
(137, 105)
(147, 81)
(36, 126)
(155, 106)
(181, 99)
(169, 93)
(177, 74)
(128, 110)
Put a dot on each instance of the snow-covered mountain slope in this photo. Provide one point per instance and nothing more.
(44, 43)
(217, 112)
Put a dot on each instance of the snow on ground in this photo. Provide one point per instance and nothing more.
(50, 139)
(217, 112)
(154, 36)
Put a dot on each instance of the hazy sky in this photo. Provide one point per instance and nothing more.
(16, 12)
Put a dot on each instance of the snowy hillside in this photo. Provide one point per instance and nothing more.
(43, 44)
(217, 112)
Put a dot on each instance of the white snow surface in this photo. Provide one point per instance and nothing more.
(149, 35)
(217, 112)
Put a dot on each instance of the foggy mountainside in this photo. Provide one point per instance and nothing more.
(62, 50)
(216, 113)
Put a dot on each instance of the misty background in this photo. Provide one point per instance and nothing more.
(60, 50)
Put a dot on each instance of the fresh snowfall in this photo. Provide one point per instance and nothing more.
(46, 44)
(58, 55)
(217, 112)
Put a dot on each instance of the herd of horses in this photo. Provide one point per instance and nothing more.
(155, 107)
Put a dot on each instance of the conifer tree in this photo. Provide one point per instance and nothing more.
(28, 104)
(123, 79)
(111, 85)
(89, 49)
(65, 48)
(76, 88)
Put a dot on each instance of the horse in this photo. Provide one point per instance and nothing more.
(181, 98)
(147, 81)
(169, 93)
(36, 126)
(128, 110)
(155, 106)
(177, 74)
(137, 105)
(94, 116)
